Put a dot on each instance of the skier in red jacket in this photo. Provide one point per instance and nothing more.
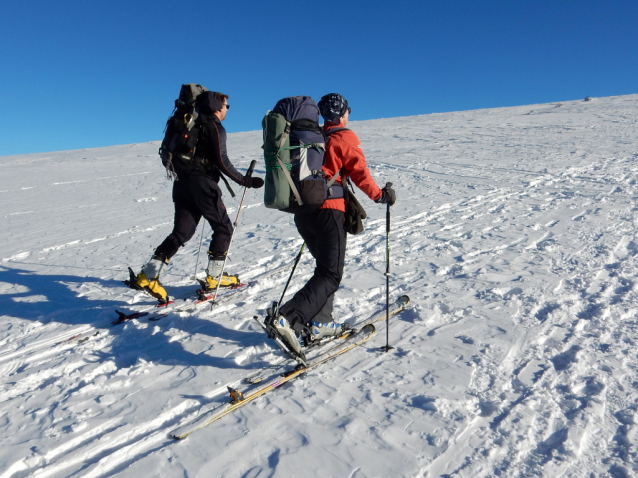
(309, 312)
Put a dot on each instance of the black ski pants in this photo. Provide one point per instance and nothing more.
(325, 237)
(196, 196)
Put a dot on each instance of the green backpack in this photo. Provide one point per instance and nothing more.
(294, 152)
(276, 149)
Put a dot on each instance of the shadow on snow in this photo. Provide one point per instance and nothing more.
(49, 298)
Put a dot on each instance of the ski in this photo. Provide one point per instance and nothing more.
(172, 306)
(158, 311)
(80, 338)
(191, 303)
(259, 375)
(239, 400)
(351, 338)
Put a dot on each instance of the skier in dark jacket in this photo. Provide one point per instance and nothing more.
(309, 312)
(196, 194)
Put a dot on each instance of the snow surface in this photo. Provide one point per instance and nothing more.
(514, 235)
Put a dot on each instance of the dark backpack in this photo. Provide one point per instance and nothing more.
(294, 149)
(182, 128)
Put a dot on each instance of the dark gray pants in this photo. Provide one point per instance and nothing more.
(196, 197)
(326, 240)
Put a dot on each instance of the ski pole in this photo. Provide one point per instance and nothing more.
(294, 266)
(387, 347)
(249, 173)
(201, 239)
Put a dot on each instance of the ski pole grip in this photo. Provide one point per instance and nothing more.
(388, 185)
(249, 173)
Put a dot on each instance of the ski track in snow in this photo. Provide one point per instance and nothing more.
(514, 236)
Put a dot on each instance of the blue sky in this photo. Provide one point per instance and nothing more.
(83, 74)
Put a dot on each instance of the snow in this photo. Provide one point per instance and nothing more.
(514, 235)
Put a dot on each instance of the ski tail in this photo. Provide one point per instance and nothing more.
(353, 340)
(362, 332)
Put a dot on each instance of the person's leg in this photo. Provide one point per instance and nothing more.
(208, 199)
(209, 202)
(185, 220)
(324, 316)
(325, 236)
(184, 227)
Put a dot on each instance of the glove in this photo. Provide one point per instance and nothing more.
(388, 196)
(254, 183)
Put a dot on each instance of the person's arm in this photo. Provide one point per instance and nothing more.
(355, 165)
(220, 156)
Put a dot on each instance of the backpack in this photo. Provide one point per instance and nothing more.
(294, 149)
(182, 128)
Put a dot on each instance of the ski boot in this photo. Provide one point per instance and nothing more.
(227, 281)
(321, 330)
(288, 335)
(214, 270)
(148, 279)
(279, 329)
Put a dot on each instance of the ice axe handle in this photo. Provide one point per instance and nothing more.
(249, 173)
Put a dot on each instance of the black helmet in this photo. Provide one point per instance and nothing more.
(332, 107)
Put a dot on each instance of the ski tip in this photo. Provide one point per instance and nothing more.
(405, 299)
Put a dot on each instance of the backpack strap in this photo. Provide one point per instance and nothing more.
(342, 171)
(334, 130)
(290, 181)
(346, 182)
(334, 178)
(230, 190)
(284, 169)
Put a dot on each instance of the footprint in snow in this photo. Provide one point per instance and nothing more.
(564, 360)
(547, 309)
(424, 403)
(465, 339)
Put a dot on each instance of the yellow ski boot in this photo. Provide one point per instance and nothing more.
(148, 280)
(215, 266)
(227, 281)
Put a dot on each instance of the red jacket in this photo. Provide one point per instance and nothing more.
(343, 149)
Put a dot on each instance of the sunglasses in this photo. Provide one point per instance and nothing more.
(226, 105)
(349, 110)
